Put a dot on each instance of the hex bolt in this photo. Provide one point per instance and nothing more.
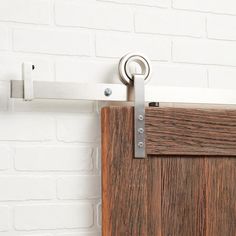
(140, 117)
(140, 144)
(107, 92)
(140, 130)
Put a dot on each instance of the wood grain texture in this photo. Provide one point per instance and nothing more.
(186, 186)
(179, 131)
(221, 196)
(131, 187)
(183, 196)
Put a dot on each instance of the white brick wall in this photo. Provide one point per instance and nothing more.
(49, 158)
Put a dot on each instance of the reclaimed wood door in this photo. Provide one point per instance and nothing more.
(187, 184)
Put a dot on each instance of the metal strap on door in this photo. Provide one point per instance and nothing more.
(135, 71)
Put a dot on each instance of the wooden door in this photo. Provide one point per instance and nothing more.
(187, 184)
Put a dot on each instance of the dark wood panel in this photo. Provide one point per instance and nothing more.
(221, 196)
(183, 197)
(131, 188)
(185, 187)
(179, 131)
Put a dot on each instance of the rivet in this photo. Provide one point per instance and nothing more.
(107, 92)
(140, 117)
(140, 130)
(140, 144)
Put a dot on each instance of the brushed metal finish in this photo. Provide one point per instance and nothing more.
(139, 117)
(71, 91)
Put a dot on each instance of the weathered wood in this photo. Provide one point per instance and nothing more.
(221, 196)
(183, 196)
(185, 187)
(131, 188)
(179, 131)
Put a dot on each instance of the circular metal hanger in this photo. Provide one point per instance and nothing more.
(134, 63)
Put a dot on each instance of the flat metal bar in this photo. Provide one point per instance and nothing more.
(71, 91)
(139, 117)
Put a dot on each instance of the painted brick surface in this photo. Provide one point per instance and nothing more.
(49, 150)
(54, 158)
(53, 216)
(168, 22)
(25, 11)
(52, 41)
(4, 218)
(117, 45)
(83, 14)
(78, 187)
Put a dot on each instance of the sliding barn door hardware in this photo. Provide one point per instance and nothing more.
(135, 71)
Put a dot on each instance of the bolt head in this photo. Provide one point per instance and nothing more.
(140, 117)
(140, 130)
(107, 92)
(140, 144)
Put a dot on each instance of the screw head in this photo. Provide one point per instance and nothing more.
(140, 130)
(140, 144)
(107, 92)
(140, 117)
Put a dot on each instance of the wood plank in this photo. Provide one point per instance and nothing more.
(183, 196)
(221, 196)
(128, 184)
(181, 131)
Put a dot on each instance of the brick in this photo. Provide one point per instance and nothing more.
(54, 158)
(27, 11)
(4, 38)
(102, 71)
(82, 128)
(53, 216)
(4, 218)
(26, 188)
(6, 154)
(178, 75)
(218, 6)
(26, 127)
(93, 15)
(78, 187)
(52, 41)
(221, 27)
(222, 78)
(204, 52)
(153, 3)
(170, 22)
(117, 45)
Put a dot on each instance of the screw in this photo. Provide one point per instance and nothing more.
(140, 130)
(140, 117)
(33, 67)
(140, 144)
(107, 92)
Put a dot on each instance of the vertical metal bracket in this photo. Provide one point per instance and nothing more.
(135, 70)
(27, 69)
(139, 116)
